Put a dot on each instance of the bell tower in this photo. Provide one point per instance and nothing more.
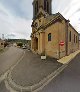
(45, 4)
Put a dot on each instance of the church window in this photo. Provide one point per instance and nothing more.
(1, 43)
(36, 7)
(49, 37)
(70, 36)
(74, 38)
(46, 6)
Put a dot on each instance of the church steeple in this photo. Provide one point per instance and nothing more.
(45, 4)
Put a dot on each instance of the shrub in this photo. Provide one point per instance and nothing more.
(20, 44)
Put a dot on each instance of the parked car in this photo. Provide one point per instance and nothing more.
(24, 47)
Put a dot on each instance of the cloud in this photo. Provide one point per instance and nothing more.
(20, 8)
(16, 16)
(17, 25)
(70, 9)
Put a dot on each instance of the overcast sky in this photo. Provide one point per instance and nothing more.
(16, 16)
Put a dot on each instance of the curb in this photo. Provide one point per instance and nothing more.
(72, 58)
(3, 76)
(72, 55)
(37, 86)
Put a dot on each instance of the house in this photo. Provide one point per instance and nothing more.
(51, 33)
(79, 41)
(1, 44)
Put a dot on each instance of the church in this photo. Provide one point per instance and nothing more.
(52, 34)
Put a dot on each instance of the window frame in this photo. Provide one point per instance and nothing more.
(49, 37)
(74, 38)
(70, 36)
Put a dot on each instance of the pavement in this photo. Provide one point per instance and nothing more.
(3, 87)
(67, 59)
(68, 80)
(30, 71)
(27, 72)
(8, 58)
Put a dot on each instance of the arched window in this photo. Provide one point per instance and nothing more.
(36, 7)
(1, 43)
(74, 38)
(70, 36)
(46, 6)
(49, 37)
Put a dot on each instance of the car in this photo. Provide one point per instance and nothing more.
(24, 47)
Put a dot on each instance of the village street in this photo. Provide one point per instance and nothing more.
(7, 59)
(66, 81)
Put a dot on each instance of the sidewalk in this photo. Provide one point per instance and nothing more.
(67, 59)
(32, 72)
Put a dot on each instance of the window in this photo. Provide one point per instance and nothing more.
(70, 36)
(1, 43)
(49, 37)
(74, 38)
(36, 7)
(46, 6)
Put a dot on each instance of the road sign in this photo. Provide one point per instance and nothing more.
(61, 43)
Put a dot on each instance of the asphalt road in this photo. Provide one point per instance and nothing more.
(3, 87)
(9, 58)
(68, 80)
(31, 69)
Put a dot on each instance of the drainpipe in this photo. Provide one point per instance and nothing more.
(66, 35)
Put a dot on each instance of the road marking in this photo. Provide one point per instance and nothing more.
(4, 76)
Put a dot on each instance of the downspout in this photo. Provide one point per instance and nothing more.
(66, 36)
(58, 42)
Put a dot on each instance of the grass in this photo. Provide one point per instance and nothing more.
(1, 50)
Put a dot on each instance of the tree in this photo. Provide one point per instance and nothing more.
(20, 44)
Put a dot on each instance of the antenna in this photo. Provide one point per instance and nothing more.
(2, 36)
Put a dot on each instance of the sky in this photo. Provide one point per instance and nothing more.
(16, 16)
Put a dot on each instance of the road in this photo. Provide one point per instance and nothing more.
(7, 60)
(68, 80)
(3, 87)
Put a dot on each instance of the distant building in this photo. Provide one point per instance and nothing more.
(29, 43)
(1, 44)
(79, 41)
(52, 34)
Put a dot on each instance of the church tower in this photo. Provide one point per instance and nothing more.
(45, 4)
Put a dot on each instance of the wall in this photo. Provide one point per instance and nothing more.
(72, 46)
(51, 47)
(1, 44)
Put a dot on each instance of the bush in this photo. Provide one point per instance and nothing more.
(20, 44)
(6, 44)
(1, 50)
